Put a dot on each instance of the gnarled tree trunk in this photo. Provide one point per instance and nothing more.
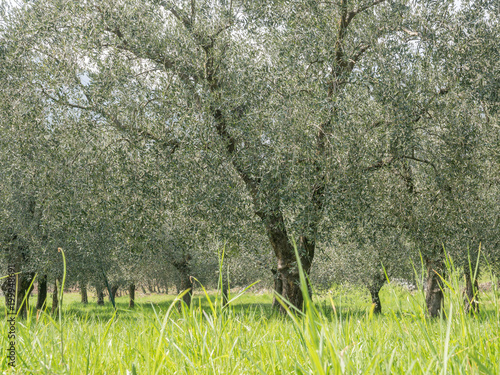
(55, 299)
(23, 287)
(185, 281)
(374, 288)
(41, 300)
(278, 288)
(471, 292)
(434, 297)
(131, 294)
(288, 271)
(225, 289)
(112, 296)
(100, 295)
(83, 294)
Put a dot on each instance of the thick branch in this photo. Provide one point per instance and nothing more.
(344, 22)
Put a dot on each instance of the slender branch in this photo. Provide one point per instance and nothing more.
(64, 102)
(173, 144)
(380, 164)
(361, 10)
(425, 161)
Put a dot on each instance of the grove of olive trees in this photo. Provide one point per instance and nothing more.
(148, 137)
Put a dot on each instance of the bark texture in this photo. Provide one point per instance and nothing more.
(114, 289)
(100, 296)
(131, 294)
(374, 287)
(23, 287)
(55, 299)
(185, 281)
(434, 297)
(84, 294)
(278, 288)
(41, 300)
(288, 271)
(471, 293)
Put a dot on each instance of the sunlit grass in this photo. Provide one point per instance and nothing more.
(338, 335)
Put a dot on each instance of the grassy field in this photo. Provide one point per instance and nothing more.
(338, 334)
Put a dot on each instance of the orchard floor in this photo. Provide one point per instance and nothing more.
(338, 335)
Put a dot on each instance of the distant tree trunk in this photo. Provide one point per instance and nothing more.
(55, 299)
(224, 286)
(143, 290)
(185, 281)
(374, 287)
(471, 292)
(114, 289)
(131, 293)
(434, 297)
(24, 287)
(83, 293)
(41, 300)
(100, 295)
(278, 289)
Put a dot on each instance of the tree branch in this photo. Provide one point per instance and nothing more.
(380, 164)
(117, 124)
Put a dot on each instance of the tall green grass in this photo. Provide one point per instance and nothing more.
(336, 334)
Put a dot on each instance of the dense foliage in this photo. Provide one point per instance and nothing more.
(163, 142)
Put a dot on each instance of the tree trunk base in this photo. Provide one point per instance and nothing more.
(434, 297)
(131, 293)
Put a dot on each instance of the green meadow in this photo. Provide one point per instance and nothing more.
(337, 334)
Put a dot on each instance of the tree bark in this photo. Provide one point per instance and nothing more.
(55, 299)
(41, 301)
(471, 292)
(288, 271)
(278, 289)
(83, 293)
(131, 293)
(24, 289)
(224, 287)
(100, 296)
(114, 289)
(185, 281)
(434, 297)
(374, 287)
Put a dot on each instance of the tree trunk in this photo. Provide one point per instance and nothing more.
(278, 289)
(55, 299)
(224, 287)
(24, 288)
(83, 293)
(100, 296)
(112, 296)
(131, 293)
(288, 271)
(434, 297)
(185, 281)
(42, 293)
(471, 292)
(374, 287)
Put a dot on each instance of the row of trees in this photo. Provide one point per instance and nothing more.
(141, 136)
